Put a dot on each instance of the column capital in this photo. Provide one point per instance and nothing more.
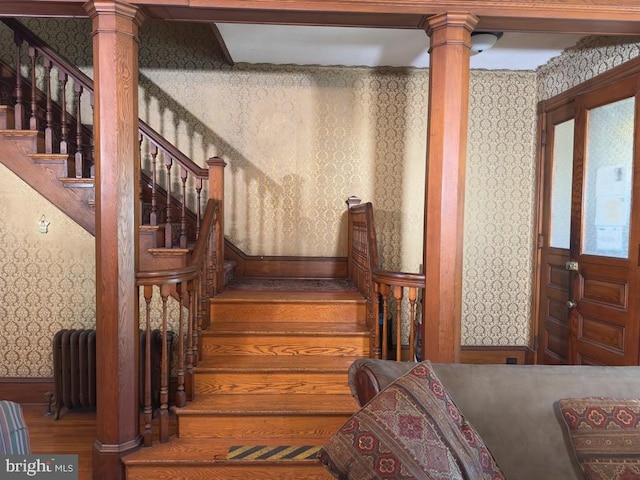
(450, 28)
(115, 9)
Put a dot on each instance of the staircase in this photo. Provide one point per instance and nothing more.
(273, 373)
(271, 368)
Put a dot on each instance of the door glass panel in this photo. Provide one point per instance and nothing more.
(562, 173)
(607, 180)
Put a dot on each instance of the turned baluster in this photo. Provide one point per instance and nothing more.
(19, 107)
(64, 127)
(78, 157)
(384, 291)
(198, 319)
(48, 131)
(164, 371)
(148, 408)
(413, 294)
(33, 121)
(180, 393)
(153, 217)
(198, 207)
(183, 211)
(189, 383)
(168, 228)
(397, 294)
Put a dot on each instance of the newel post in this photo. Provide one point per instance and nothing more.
(351, 202)
(216, 192)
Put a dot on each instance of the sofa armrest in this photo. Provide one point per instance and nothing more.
(367, 376)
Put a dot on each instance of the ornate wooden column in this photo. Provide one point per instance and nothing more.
(450, 35)
(117, 167)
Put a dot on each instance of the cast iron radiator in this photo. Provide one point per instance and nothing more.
(74, 368)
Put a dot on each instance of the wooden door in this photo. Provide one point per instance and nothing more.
(604, 229)
(589, 273)
(554, 238)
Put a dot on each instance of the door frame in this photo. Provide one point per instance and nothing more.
(565, 99)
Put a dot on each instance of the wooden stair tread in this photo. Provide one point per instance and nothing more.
(206, 451)
(259, 296)
(270, 404)
(78, 182)
(276, 363)
(285, 328)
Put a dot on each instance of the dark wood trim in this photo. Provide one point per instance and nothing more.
(284, 267)
(521, 355)
(569, 16)
(26, 390)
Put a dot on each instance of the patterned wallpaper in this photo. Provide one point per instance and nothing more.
(298, 141)
(589, 57)
(47, 281)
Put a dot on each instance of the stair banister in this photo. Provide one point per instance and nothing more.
(362, 260)
(393, 284)
(187, 282)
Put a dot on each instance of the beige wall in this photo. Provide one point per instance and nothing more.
(299, 141)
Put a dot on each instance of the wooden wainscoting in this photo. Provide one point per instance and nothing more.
(516, 355)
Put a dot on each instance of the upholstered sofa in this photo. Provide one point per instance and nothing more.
(516, 411)
(14, 436)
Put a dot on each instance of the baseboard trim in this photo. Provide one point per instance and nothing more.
(26, 390)
(285, 267)
(509, 354)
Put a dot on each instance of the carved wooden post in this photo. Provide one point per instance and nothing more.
(450, 35)
(216, 192)
(117, 165)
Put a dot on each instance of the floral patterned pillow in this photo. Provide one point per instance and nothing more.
(605, 434)
(412, 429)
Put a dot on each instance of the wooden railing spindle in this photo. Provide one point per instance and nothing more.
(33, 121)
(64, 127)
(198, 203)
(77, 89)
(153, 218)
(183, 212)
(168, 230)
(19, 107)
(164, 371)
(180, 393)
(48, 131)
(148, 408)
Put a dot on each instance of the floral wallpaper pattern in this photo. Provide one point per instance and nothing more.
(298, 141)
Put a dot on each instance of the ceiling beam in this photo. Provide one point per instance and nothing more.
(570, 16)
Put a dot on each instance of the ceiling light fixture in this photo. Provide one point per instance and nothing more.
(481, 41)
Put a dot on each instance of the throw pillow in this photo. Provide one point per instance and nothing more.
(410, 430)
(605, 434)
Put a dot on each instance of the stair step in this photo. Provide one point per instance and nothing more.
(276, 363)
(31, 141)
(55, 162)
(265, 416)
(286, 339)
(198, 459)
(272, 404)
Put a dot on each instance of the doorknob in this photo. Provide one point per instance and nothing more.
(571, 304)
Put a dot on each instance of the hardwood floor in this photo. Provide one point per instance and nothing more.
(73, 434)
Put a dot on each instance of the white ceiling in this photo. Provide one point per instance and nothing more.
(303, 45)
